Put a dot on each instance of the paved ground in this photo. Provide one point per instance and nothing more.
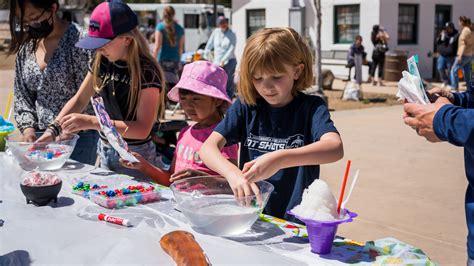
(408, 188)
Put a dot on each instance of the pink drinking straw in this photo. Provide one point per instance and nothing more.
(341, 196)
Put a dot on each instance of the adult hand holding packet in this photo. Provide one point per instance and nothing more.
(410, 87)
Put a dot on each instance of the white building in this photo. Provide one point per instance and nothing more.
(411, 24)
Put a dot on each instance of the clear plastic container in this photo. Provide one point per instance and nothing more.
(82, 186)
(125, 200)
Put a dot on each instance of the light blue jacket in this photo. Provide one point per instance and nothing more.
(223, 44)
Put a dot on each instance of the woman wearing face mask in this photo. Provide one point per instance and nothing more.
(49, 70)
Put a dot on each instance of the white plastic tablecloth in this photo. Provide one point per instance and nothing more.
(68, 232)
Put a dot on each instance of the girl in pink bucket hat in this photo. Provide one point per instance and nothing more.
(201, 92)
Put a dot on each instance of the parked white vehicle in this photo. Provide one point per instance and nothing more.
(196, 19)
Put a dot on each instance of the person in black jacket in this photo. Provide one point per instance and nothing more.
(380, 39)
(446, 46)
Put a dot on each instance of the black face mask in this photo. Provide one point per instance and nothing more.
(42, 31)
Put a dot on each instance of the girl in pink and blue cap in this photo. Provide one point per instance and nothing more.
(201, 91)
(126, 76)
(284, 134)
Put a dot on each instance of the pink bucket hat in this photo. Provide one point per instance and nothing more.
(204, 78)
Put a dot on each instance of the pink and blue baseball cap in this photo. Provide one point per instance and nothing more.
(204, 78)
(107, 21)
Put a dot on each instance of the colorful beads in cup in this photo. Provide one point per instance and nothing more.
(129, 196)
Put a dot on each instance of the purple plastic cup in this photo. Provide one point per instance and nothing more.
(321, 234)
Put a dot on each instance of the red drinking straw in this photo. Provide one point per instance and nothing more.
(348, 167)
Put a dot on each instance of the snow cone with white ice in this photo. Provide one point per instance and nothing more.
(318, 210)
(318, 203)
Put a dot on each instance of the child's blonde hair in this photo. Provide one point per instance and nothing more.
(138, 49)
(268, 51)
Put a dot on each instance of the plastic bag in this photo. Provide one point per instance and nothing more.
(351, 91)
(409, 89)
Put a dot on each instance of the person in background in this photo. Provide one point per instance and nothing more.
(380, 39)
(464, 54)
(356, 57)
(223, 41)
(49, 70)
(284, 134)
(201, 93)
(169, 45)
(446, 46)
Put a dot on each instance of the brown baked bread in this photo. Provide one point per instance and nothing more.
(184, 250)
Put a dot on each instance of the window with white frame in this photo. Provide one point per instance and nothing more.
(255, 20)
(346, 23)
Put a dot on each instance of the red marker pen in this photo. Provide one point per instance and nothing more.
(114, 220)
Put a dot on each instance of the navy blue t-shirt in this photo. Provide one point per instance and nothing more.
(262, 128)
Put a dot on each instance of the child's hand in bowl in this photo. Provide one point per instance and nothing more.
(244, 191)
(41, 142)
(185, 174)
(46, 137)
